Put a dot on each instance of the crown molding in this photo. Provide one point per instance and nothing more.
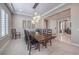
(11, 7)
(44, 14)
(24, 14)
(7, 7)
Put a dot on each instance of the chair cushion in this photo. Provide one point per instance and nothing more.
(33, 42)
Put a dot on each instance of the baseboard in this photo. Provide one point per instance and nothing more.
(71, 43)
(2, 48)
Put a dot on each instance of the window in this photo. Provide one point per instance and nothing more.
(3, 23)
(27, 24)
(6, 24)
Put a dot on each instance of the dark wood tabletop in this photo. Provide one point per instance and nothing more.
(40, 37)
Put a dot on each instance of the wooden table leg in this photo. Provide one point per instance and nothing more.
(38, 46)
(45, 44)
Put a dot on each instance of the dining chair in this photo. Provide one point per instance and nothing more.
(13, 31)
(44, 31)
(25, 35)
(49, 34)
(32, 43)
(15, 34)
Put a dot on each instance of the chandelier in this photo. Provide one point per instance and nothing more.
(36, 17)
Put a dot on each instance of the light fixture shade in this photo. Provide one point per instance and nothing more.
(33, 22)
(39, 17)
(36, 18)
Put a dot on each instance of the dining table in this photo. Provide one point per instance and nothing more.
(43, 39)
(40, 37)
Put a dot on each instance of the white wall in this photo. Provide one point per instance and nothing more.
(18, 22)
(4, 39)
(52, 25)
(75, 23)
(74, 19)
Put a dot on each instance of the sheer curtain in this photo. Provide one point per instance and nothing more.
(3, 23)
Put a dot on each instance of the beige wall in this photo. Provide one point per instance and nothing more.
(52, 25)
(60, 16)
(75, 23)
(4, 39)
(74, 19)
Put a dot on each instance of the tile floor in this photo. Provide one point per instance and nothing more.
(18, 47)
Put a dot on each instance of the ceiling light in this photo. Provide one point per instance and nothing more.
(36, 17)
(33, 22)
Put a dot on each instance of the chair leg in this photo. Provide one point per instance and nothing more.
(27, 47)
(50, 42)
(15, 36)
(39, 46)
(30, 50)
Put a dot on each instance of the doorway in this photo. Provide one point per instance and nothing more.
(64, 29)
